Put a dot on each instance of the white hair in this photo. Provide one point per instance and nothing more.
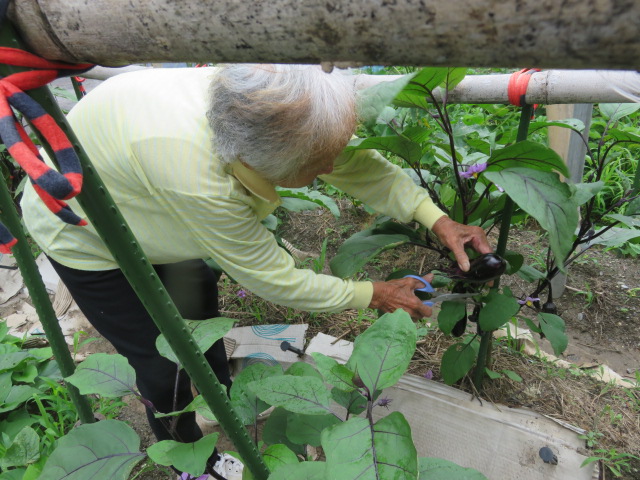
(278, 119)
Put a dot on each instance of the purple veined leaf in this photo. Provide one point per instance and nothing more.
(382, 353)
(356, 450)
(107, 450)
(246, 404)
(303, 470)
(526, 154)
(106, 375)
(278, 456)
(306, 395)
(546, 198)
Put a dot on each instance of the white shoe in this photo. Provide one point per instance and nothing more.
(229, 467)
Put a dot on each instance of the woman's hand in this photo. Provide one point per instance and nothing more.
(399, 293)
(456, 236)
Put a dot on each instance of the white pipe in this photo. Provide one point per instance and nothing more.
(547, 87)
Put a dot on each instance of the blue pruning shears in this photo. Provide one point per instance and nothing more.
(445, 297)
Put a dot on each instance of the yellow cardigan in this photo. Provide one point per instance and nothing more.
(147, 135)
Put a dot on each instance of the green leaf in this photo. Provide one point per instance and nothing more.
(553, 328)
(105, 449)
(382, 353)
(543, 196)
(302, 369)
(514, 261)
(512, 375)
(198, 404)
(615, 236)
(351, 453)
(417, 92)
(441, 469)
(615, 111)
(352, 401)
(586, 191)
(457, 361)
(296, 394)
(277, 456)
(27, 374)
(298, 204)
(492, 375)
(571, 123)
(355, 252)
(204, 332)
(449, 315)
(275, 430)
(105, 375)
(334, 373)
(371, 101)
(246, 404)
(410, 151)
(24, 449)
(187, 457)
(10, 360)
(497, 311)
(623, 136)
(630, 222)
(530, 274)
(301, 471)
(306, 429)
(307, 195)
(526, 154)
(15, 395)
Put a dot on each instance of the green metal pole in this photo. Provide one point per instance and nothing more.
(32, 279)
(105, 216)
(484, 351)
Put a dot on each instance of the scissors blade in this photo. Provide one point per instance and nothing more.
(452, 297)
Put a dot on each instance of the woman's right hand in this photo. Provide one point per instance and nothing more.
(399, 293)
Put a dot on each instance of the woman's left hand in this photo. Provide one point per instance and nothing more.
(456, 236)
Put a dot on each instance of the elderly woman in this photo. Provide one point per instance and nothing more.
(192, 158)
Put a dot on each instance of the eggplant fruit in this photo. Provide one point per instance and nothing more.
(485, 268)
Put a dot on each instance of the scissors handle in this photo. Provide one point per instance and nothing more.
(427, 288)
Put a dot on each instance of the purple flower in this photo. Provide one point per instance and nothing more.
(384, 402)
(529, 301)
(428, 375)
(474, 170)
(241, 293)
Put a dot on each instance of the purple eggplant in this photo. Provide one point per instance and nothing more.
(485, 268)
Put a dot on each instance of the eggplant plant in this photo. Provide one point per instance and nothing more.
(318, 404)
(481, 176)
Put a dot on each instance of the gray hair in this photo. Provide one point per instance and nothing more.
(278, 119)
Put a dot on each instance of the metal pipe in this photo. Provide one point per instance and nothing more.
(479, 33)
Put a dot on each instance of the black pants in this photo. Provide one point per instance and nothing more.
(112, 307)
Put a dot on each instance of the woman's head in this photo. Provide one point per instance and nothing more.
(286, 122)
